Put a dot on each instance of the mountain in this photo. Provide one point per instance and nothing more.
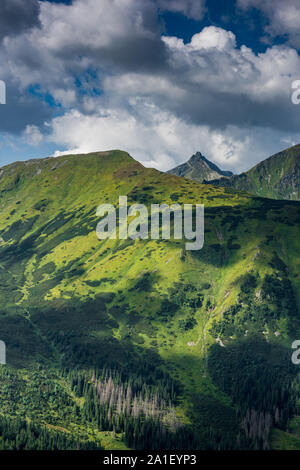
(198, 168)
(277, 177)
(121, 344)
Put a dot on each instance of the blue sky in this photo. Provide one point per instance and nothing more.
(161, 79)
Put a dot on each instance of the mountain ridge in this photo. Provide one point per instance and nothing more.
(77, 312)
(277, 177)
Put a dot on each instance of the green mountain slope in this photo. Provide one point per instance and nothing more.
(142, 344)
(277, 177)
(198, 168)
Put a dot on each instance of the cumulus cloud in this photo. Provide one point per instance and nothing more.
(65, 50)
(283, 16)
(162, 140)
(210, 81)
(119, 83)
(33, 136)
(213, 38)
(120, 32)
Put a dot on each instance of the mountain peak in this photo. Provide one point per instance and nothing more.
(197, 157)
(200, 169)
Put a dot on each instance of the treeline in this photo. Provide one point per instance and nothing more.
(142, 413)
(18, 434)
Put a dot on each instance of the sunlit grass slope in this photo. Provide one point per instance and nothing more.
(277, 177)
(69, 300)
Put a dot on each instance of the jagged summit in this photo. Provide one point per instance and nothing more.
(200, 169)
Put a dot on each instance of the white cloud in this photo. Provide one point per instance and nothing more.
(161, 119)
(33, 136)
(212, 37)
(210, 81)
(283, 16)
(94, 23)
(159, 98)
(162, 140)
(212, 58)
(95, 34)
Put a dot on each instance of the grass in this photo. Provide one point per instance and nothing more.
(281, 440)
(51, 254)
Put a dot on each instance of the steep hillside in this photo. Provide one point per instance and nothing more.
(198, 168)
(277, 177)
(142, 344)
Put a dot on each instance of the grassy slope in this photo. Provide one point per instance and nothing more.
(53, 271)
(276, 177)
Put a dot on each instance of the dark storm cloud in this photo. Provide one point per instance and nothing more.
(137, 47)
(194, 9)
(22, 110)
(18, 15)
(140, 54)
(218, 110)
